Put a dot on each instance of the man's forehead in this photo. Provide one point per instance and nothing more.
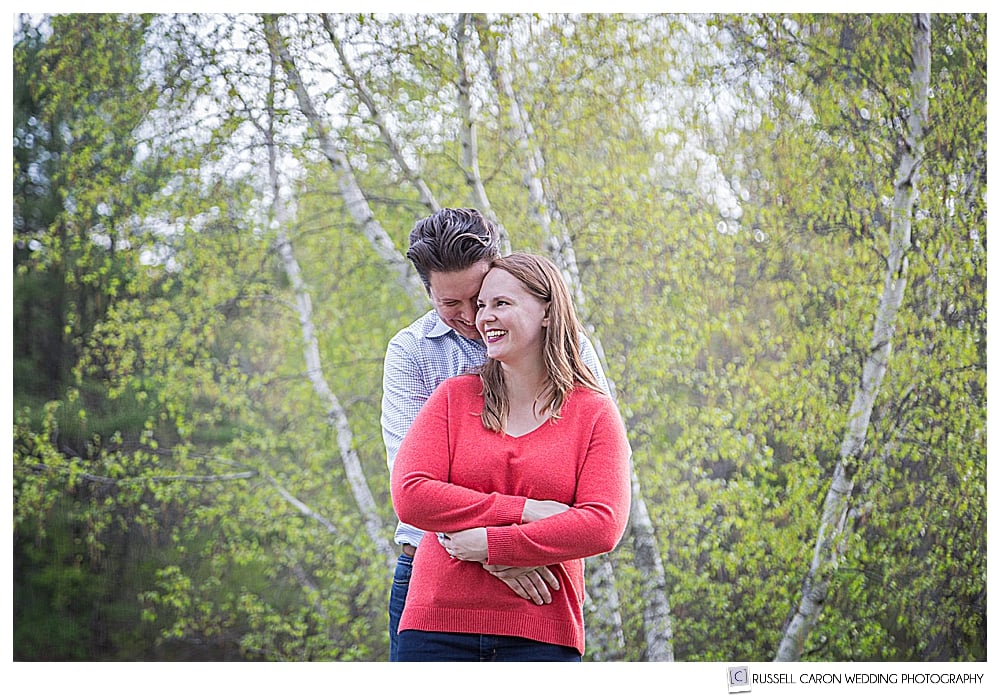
(457, 285)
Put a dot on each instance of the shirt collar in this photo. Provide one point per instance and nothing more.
(440, 329)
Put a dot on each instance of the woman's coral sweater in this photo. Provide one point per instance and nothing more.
(452, 474)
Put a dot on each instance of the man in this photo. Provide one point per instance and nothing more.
(451, 251)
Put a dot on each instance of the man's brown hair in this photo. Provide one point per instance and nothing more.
(452, 239)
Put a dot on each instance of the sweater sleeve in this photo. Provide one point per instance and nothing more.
(421, 491)
(595, 522)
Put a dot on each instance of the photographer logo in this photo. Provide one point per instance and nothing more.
(739, 678)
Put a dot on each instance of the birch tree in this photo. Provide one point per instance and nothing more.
(335, 414)
(368, 99)
(468, 133)
(543, 210)
(545, 213)
(830, 537)
(354, 197)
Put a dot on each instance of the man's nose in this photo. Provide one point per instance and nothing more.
(469, 311)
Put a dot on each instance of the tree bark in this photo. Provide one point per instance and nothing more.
(350, 190)
(829, 538)
(542, 208)
(656, 608)
(606, 641)
(336, 416)
(365, 95)
(467, 134)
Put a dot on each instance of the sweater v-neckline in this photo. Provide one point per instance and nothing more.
(528, 433)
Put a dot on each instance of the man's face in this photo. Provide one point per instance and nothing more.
(454, 295)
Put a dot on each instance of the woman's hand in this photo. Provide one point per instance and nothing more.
(466, 545)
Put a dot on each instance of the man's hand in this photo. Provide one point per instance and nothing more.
(537, 510)
(466, 545)
(534, 583)
(531, 583)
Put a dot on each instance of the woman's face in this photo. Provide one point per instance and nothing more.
(510, 319)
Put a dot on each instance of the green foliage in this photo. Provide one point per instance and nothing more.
(55, 595)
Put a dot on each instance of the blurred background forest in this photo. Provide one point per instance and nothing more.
(775, 227)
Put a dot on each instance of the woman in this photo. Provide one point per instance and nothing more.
(524, 464)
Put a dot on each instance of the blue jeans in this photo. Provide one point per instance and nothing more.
(397, 599)
(416, 645)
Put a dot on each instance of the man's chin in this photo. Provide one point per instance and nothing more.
(471, 334)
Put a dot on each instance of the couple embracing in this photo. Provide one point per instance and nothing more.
(503, 443)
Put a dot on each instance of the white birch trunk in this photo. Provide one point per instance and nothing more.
(656, 607)
(354, 198)
(336, 416)
(829, 542)
(467, 134)
(365, 95)
(543, 210)
(604, 597)
(605, 636)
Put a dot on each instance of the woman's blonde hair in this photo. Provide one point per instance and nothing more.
(561, 342)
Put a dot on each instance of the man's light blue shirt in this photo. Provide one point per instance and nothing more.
(417, 360)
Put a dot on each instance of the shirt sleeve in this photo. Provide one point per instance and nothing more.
(588, 354)
(422, 494)
(596, 521)
(404, 392)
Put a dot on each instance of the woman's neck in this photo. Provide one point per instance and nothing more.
(524, 383)
(525, 388)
